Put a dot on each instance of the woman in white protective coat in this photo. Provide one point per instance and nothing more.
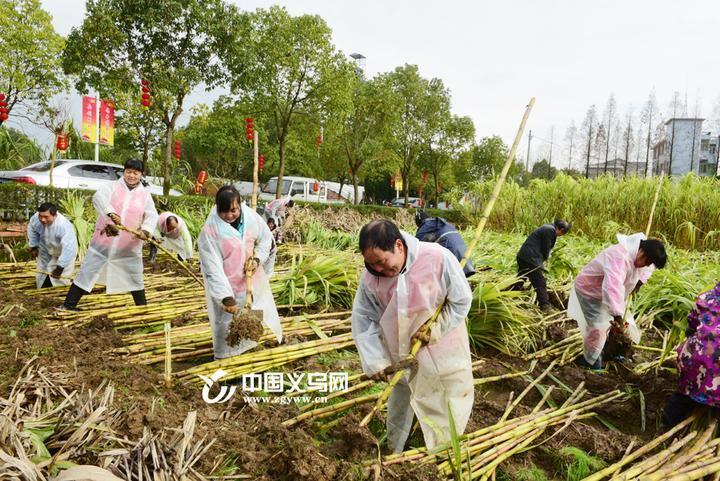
(174, 235)
(598, 298)
(233, 239)
(404, 282)
(52, 241)
(114, 257)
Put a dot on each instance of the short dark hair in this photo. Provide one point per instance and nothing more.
(291, 203)
(654, 252)
(420, 216)
(562, 225)
(134, 164)
(381, 234)
(48, 206)
(225, 196)
(171, 217)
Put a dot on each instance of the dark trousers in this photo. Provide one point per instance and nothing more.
(677, 409)
(536, 277)
(46, 283)
(75, 294)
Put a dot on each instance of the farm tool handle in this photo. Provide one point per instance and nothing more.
(157, 244)
(425, 329)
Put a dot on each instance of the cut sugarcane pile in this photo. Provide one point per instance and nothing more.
(195, 340)
(478, 454)
(694, 453)
(357, 382)
(562, 352)
(260, 361)
(46, 426)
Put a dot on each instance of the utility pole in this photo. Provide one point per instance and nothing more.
(552, 137)
(527, 160)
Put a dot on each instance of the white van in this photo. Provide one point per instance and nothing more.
(307, 189)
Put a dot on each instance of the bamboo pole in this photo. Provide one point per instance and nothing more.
(168, 356)
(255, 170)
(157, 244)
(476, 238)
(655, 200)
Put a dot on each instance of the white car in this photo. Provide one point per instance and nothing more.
(413, 202)
(74, 174)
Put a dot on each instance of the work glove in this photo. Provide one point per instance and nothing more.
(143, 235)
(153, 252)
(251, 265)
(421, 336)
(230, 306)
(34, 251)
(617, 324)
(111, 230)
(115, 218)
(57, 272)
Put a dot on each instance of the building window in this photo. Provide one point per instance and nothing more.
(704, 145)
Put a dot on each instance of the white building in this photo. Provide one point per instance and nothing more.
(685, 148)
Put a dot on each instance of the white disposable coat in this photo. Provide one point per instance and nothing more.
(116, 261)
(223, 251)
(276, 210)
(387, 312)
(601, 291)
(57, 246)
(177, 240)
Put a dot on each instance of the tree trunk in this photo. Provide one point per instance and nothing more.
(647, 148)
(281, 167)
(356, 200)
(607, 145)
(587, 159)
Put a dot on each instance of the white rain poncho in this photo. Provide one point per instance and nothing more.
(276, 209)
(57, 246)
(116, 261)
(601, 291)
(387, 312)
(223, 251)
(177, 240)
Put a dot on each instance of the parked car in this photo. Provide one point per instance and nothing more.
(413, 202)
(74, 174)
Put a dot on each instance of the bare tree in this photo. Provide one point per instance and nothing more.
(646, 117)
(696, 115)
(588, 128)
(609, 116)
(628, 139)
(570, 135)
(675, 107)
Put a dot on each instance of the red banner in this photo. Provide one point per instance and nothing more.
(89, 119)
(107, 122)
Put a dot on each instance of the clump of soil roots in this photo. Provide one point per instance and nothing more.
(244, 325)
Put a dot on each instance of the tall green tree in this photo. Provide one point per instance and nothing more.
(452, 136)
(293, 70)
(418, 108)
(30, 58)
(175, 45)
(488, 158)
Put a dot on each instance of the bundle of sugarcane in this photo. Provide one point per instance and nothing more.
(195, 340)
(563, 351)
(260, 361)
(478, 454)
(694, 453)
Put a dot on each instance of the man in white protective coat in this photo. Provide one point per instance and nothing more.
(52, 241)
(235, 239)
(599, 296)
(404, 282)
(173, 234)
(114, 257)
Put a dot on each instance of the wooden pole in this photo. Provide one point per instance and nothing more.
(476, 238)
(168, 356)
(255, 170)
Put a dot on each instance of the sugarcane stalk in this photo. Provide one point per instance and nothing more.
(329, 410)
(168, 357)
(640, 452)
(468, 252)
(527, 390)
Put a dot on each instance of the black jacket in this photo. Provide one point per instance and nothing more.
(536, 248)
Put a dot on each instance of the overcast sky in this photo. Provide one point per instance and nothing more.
(494, 56)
